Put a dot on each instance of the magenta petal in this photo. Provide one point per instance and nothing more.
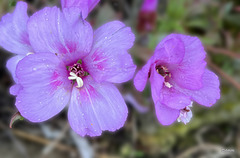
(189, 73)
(209, 93)
(12, 65)
(109, 59)
(45, 87)
(166, 116)
(13, 31)
(170, 51)
(156, 81)
(62, 33)
(142, 75)
(174, 99)
(95, 108)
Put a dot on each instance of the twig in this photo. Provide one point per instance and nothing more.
(54, 143)
(215, 50)
(41, 140)
(224, 75)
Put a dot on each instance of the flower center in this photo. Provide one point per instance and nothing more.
(163, 71)
(76, 73)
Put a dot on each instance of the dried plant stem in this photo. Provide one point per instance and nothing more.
(224, 75)
(41, 140)
(55, 142)
(215, 50)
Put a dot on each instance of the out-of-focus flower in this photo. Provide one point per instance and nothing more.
(14, 38)
(72, 65)
(85, 6)
(178, 76)
(147, 16)
(149, 5)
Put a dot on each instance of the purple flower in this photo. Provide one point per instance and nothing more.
(71, 65)
(149, 5)
(15, 38)
(178, 75)
(85, 6)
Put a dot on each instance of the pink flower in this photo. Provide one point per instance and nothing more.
(178, 75)
(64, 62)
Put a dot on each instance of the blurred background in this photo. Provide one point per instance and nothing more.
(212, 133)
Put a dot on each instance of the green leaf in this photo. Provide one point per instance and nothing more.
(12, 3)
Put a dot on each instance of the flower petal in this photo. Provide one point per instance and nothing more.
(85, 6)
(12, 65)
(174, 99)
(113, 36)
(15, 89)
(209, 93)
(189, 72)
(82, 5)
(142, 75)
(109, 59)
(92, 4)
(62, 33)
(169, 51)
(156, 81)
(166, 116)
(45, 87)
(13, 31)
(95, 108)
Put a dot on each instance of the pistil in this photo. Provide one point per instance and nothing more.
(163, 71)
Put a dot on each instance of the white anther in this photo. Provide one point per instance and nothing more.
(29, 53)
(168, 85)
(79, 82)
(185, 114)
(73, 76)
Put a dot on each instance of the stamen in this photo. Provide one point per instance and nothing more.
(168, 85)
(73, 76)
(77, 73)
(163, 71)
(79, 82)
(29, 53)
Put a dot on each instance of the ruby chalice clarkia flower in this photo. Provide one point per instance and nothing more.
(178, 76)
(72, 65)
(14, 35)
